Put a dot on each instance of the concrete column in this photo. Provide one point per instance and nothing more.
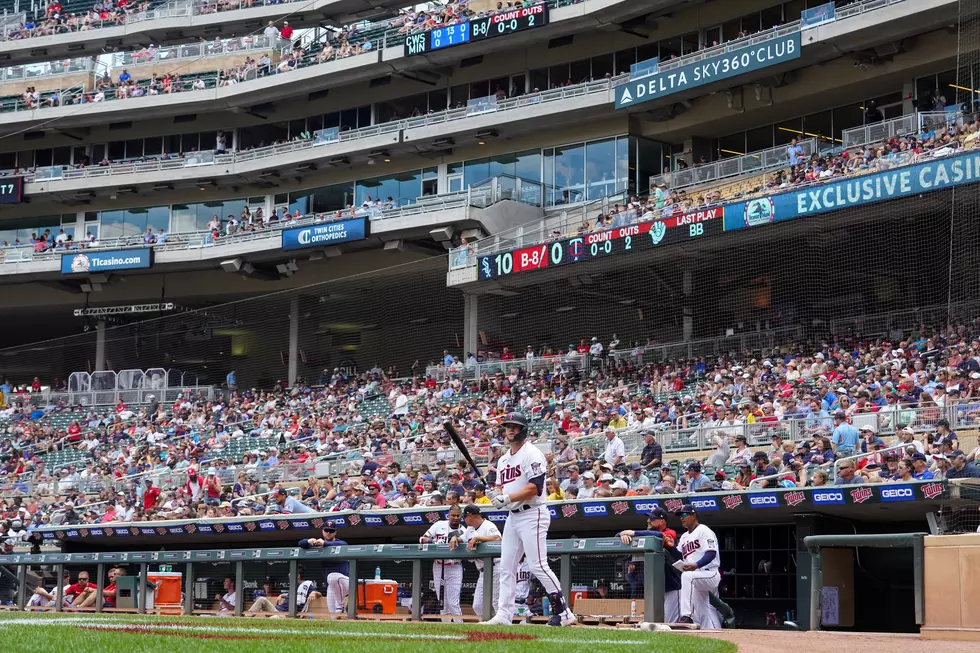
(293, 340)
(471, 333)
(100, 346)
(688, 309)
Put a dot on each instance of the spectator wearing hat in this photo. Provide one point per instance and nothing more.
(845, 437)
(742, 451)
(588, 489)
(636, 478)
(763, 468)
(574, 479)
(945, 436)
(696, 481)
(959, 468)
(920, 469)
(656, 527)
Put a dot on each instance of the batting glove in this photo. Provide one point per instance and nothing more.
(501, 500)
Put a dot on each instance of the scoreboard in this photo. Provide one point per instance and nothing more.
(11, 190)
(602, 244)
(477, 29)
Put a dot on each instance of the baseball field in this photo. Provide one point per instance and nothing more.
(78, 633)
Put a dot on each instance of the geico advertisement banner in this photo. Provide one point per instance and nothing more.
(595, 510)
(322, 235)
(121, 259)
(731, 64)
(891, 184)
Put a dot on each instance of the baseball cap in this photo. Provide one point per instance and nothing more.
(694, 467)
(867, 427)
(635, 466)
(918, 455)
(329, 526)
(687, 509)
(657, 513)
(605, 477)
(281, 492)
(588, 475)
(954, 454)
(471, 509)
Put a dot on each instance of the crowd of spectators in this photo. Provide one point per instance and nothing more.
(388, 449)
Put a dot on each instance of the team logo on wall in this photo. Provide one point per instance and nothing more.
(657, 232)
(673, 505)
(861, 495)
(569, 509)
(61, 534)
(432, 516)
(161, 530)
(219, 527)
(109, 532)
(190, 528)
(576, 248)
(391, 519)
(932, 490)
(355, 520)
(759, 211)
(732, 501)
(619, 507)
(318, 522)
(134, 530)
(282, 524)
(794, 498)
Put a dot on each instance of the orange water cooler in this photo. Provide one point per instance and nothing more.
(377, 596)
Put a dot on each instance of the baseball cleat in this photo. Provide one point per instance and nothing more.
(685, 620)
(498, 620)
(566, 618)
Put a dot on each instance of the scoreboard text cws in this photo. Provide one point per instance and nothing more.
(477, 29)
(587, 247)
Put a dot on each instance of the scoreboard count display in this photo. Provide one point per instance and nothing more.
(11, 190)
(477, 29)
(588, 247)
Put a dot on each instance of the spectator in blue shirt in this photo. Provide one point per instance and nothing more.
(231, 380)
(920, 468)
(447, 358)
(124, 76)
(288, 505)
(794, 152)
(845, 437)
(695, 479)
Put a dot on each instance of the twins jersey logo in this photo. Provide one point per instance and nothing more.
(932, 490)
(860, 495)
(794, 498)
(508, 474)
(355, 520)
(523, 576)
(569, 509)
(619, 507)
(673, 505)
(732, 501)
(690, 547)
(391, 519)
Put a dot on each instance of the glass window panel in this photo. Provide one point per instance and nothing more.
(518, 85)
(134, 148)
(331, 120)
(731, 29)
(669, 49)
(459, 95)
(549, 175)
(787, 130)
(172, 144)
(539, 79)
(135, 222)
(626, 58)
(793, 10)
(558, 75)
(184, 218)
(600, 168)
(712, 36)
(623, 163)
(454, 168)
(409, 187)
(315, 123)
(646, 51)
(758, 139)
(602, 65)
(190, 142)
(430, 173)
(209, 140)
(61, 156)
(581, 71)
(113, 224)
(570, 173)
(772, 17)
(501, 84)
(480, 89)
(153, 146)
(690, 42)
(475, 172)
(206, 211)
(752, 23)
(847, 117)
(235, 208)
(503, 164)
(364, 116)
(947, 88)
(439, 99)
(731, 146)
(330, 198)
(528, 165)
(44, 157)
(348, 119)
(8, 160)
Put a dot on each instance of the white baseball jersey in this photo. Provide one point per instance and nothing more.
(439, 533)
(486, 529)
(515, 471)
(523, 582)
(695, 543)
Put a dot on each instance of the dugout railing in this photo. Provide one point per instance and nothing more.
(591, 557)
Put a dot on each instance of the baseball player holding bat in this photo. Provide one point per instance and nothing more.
(520, 483)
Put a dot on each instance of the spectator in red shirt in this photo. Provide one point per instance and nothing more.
(36, 385)
(506, 355)
(212, 487)
(286, 32)
(150, 495)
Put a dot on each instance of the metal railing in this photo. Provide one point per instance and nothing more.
(235, 45)
(731, 167)
(879, 131)
(730, 46)
(441, 373)
(61, 67)
(708, 347)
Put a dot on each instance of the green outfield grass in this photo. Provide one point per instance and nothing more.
(78, 633)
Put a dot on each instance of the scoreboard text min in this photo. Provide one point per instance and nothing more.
(588, 247)
(11, 190)
(477, 29)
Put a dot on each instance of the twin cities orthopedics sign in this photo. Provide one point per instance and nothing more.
(725, 66)
(322, 235)
(601, 244)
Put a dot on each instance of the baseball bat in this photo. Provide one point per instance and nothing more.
(458, 441)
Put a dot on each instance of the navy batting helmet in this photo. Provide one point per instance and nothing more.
(516, 419)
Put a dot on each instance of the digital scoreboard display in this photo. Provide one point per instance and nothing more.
(11, 190)
(477, 29)
(588, 247)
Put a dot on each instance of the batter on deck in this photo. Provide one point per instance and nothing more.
(520, 490)
(700, 576)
